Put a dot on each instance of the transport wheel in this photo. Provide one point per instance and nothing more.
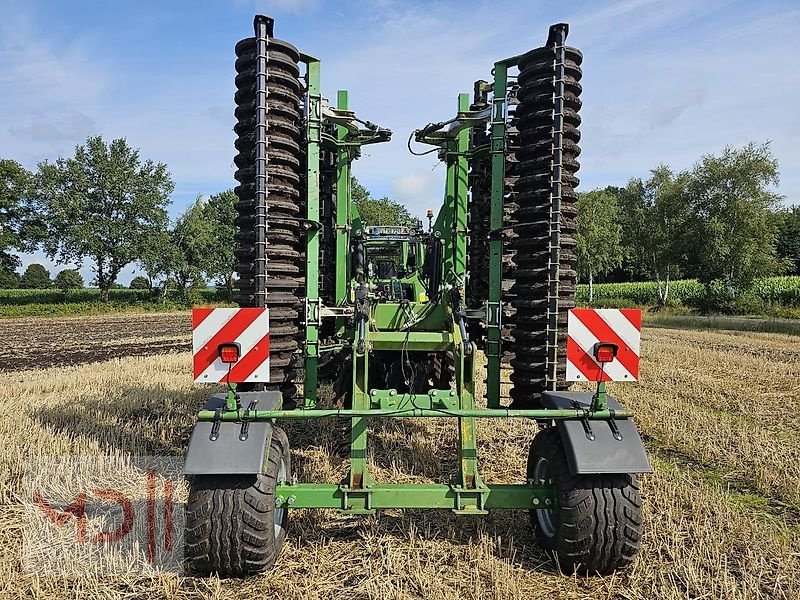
(596, 523)
(233, 527)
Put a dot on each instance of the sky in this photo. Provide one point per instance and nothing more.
(663, 81)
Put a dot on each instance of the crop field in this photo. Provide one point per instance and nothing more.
(720, 413)
(783, 290)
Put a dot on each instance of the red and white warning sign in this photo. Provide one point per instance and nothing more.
(230, 345)
(607, 329)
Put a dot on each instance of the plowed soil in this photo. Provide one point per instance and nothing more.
(35, 343)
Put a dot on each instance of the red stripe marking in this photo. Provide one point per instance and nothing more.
(248, 363)
(603, 332)
(634, 315)
(230, 331)
(587, 366)
(199, 315)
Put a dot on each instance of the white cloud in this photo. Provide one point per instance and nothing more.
(48, 93)
(663, 82)
(422, 189)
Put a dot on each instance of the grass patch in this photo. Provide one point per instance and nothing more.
(673, 319)
(56, 303)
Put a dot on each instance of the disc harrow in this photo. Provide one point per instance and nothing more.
(531, 213)
(285, 202)
(396, 316)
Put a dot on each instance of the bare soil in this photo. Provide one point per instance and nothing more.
(36, 343)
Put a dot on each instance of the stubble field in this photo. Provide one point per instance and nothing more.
(720, 413)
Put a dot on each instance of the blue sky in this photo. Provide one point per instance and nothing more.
(664, 81)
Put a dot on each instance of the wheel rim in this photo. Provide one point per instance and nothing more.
(544, 516)
(279, 514)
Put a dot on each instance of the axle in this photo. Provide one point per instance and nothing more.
(545, 414)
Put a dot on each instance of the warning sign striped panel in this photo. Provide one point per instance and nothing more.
(247, 327)
(587, 327)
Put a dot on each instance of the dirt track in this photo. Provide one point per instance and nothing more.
(35, 342)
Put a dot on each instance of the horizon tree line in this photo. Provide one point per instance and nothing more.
(721, 221)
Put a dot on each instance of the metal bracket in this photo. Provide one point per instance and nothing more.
(246, 417)
(215, 425)
(347, 491)
(440, 133)
(364, 132)
(313, 311)
(587, 428)
(475, 314)
(479, 494)
(493, 314)
(613, 425)
(335, 311)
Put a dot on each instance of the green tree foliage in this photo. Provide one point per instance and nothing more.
(787, 243)
(732, 227)
(200, 244)
(381, 211)
(14, 187)
(654, 215)
(158, 257)
(68, 279)
(9, 279)
(36, 277)
(599, 235)
(220, 212)
(140, 283)
(103, 204)
(193, 237)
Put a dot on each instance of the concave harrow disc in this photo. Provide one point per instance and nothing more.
(531, 201)
(285, 258)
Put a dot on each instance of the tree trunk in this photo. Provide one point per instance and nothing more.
(591, 288)
(102, 282)
(659, 288)
(662, 298)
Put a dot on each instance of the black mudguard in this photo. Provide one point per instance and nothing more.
(232, 448)
(591, 445)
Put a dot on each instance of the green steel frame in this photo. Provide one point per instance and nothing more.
(313, 307)
(435, 326)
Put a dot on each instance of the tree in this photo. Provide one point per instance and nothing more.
(732, 227)
(787, 243)
(218, 264)
(193, 238)
(36, 277)
(382, 211)
(68, 279)
(599, 235)
(653, 215)
(9, 280)
(140, 283)
(158, 258)
(14, 187)
(103, 204)
(200, 242)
